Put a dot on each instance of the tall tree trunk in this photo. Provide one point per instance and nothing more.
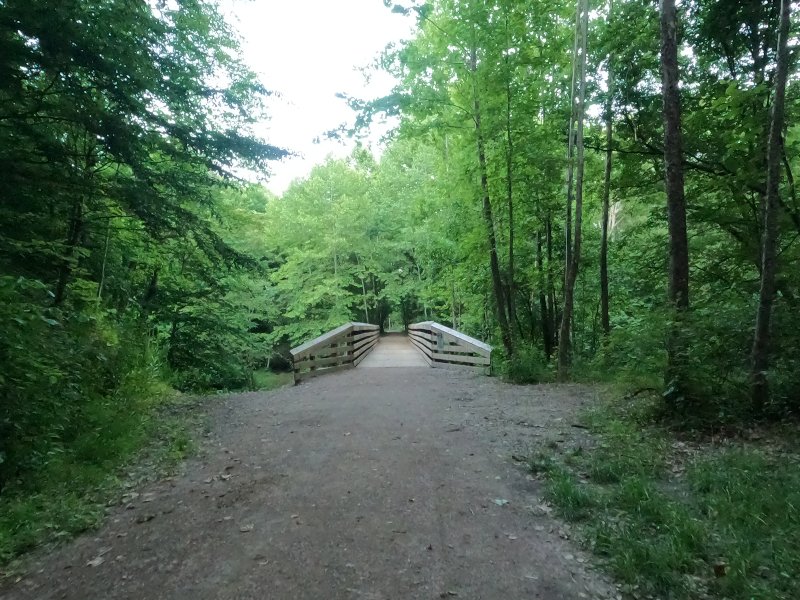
(604, 300)
(512, 309)
(497, 280)
(571, 150)
(676, 203)
(761, 339)
(564, 340)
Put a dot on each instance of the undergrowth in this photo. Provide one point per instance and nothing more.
(682, 519)
(70, 494)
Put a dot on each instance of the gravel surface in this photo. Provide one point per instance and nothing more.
(367, 484)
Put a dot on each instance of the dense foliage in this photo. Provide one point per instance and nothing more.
(485, 95)
(121, 127)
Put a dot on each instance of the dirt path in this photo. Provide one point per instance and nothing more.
(368, 484)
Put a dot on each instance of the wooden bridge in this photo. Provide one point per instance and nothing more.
(352, 345)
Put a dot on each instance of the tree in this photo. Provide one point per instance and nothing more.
(678, 289)
(122, 125)
(574, 255)
(761, 339)
(609, 126)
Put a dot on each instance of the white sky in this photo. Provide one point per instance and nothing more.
(308, 51)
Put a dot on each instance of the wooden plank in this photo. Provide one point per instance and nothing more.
(309, 374)
(363, 342)
(315, 363)
(362, 356)
(323, 340)
(419, 340)
(422, 353)
(357, 361)
(364, 349)
(425, 351)
(366, 334)
(451, 367)
(423, 335)
(325, 352)
(460, 358)
(460, 338)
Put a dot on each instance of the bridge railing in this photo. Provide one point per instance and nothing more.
(340, 348)
(443, 347)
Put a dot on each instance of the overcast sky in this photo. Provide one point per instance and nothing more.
(308, 51)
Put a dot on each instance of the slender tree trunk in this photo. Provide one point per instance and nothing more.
(74, 232)
(512, 309)
(604, 300)
(453, 303)
(676, 203)
(564, 345)
(364, 295)
(547, 338)
(419, 278)
(551, 288)
(105, 260)
(761, 339)
(571, 151)
(497, 280)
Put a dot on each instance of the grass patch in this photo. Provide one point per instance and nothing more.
(678, 519)
(72, 490)
(270, 380)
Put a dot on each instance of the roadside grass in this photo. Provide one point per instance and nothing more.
(125, 446)
(265, 380)
(139, 434)
(682, 519)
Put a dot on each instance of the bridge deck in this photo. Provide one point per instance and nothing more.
(393, 350)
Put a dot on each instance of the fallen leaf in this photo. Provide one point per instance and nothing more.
(96, 562)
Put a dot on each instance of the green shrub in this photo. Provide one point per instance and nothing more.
(526, 366)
